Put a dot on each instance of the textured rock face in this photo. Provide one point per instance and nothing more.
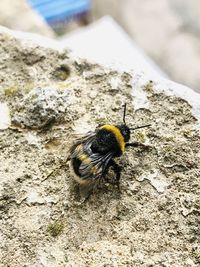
(152, 221)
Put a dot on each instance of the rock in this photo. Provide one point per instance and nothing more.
(156, 179)
(152, 221)
(4, 116)
(43, 105)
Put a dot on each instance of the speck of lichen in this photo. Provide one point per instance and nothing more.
(55, 229)
(167, 148)
(140, 136)
(100, 121)
(10, 91)
(169, 138)
(187, 133)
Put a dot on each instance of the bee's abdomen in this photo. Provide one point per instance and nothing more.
(83, 169)
(76, 164)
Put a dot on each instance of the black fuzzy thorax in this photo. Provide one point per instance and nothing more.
(105, 142)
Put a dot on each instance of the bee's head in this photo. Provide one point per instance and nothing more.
(125, 130)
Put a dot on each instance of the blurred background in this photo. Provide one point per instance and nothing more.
(163, 34)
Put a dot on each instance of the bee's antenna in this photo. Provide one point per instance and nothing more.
(124, 114)
(148, 125)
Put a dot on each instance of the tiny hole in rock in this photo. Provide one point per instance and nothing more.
(61, 73)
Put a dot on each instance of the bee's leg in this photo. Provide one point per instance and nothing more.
(137, 144)
(88, 196)
(87, 190)
(117, 169)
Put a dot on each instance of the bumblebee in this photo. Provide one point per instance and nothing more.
(92, 155)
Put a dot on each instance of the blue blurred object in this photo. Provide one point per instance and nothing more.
(58, 11)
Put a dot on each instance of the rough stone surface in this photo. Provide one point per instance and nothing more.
(152, 221)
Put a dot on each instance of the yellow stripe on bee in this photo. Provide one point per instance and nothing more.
(117, 133)
(94, 170)
(85, 158)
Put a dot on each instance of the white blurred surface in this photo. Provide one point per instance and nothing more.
(105, 42)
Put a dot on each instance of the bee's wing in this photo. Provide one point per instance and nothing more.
(96, 166)
(81, 144)
(81, 137)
